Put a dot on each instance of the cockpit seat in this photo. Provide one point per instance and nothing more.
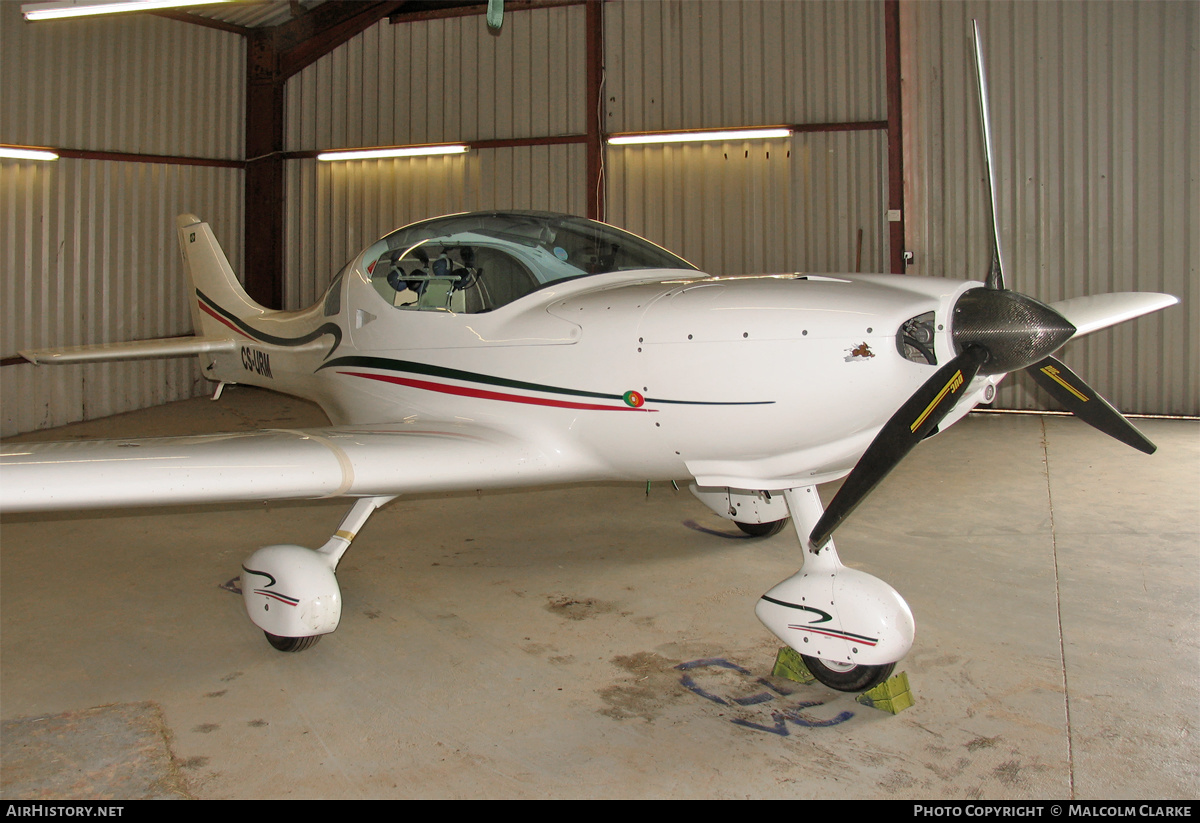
(502, 278)
(436, 294)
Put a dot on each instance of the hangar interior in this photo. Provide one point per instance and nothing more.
(528, 645)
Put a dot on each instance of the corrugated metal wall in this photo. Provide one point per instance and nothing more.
(336, 209)
(89, 256)
(1096, 106)
(758, 206)
(133, 83)
(435, 81)
(1096, 111)
(691, 64)
(431, 81)
(780, 205)
(790, 205)
(88, 251)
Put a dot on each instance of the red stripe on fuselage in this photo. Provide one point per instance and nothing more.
(465, 391)
(208, 310)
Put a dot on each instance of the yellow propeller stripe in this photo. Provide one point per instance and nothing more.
(952, 385)
(1054, 373)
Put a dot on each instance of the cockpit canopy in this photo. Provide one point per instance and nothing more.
(483, 260)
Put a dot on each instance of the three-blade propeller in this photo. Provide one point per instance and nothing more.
(995, 331)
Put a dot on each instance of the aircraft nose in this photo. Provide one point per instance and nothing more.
(1015, 330)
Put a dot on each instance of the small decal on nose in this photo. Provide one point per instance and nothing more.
(860, 352)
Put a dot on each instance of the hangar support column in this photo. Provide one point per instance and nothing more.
(895, 132)
(273, 55)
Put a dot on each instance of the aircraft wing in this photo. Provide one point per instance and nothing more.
(273, 464)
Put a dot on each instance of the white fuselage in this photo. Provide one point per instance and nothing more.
(747, 381)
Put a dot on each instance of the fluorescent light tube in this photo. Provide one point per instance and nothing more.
(408, 151)
(698, 136)
(71, 8)
(15, 153)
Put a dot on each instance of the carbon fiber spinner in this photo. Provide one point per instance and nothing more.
(1017, 331)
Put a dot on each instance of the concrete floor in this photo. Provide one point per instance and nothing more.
(526, 645)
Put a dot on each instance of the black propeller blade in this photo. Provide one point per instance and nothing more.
(1068, 389)
(995, 331)
(919, 415)
(995, 278)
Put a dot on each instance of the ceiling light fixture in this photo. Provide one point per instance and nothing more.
(712, 135)
(403, 151)
(21, 153)
(82, 8)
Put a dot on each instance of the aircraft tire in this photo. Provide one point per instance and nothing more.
(852, 679)
(291, 644)
(762, 529)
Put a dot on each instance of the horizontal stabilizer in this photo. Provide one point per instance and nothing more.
(1099, 311)
(139, 350)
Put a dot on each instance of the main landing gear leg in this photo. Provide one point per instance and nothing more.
(291, 592)
(350, 526)
(849, 627)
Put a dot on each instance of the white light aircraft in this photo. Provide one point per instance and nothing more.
(507, 349)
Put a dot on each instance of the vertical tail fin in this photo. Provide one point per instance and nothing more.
(218, 303)
(216, 295)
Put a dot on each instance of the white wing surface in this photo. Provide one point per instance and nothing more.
(272, 464)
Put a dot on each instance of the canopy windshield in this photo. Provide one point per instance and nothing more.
(481, 261)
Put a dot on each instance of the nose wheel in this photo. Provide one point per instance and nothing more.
(291, 644)
(761, 529)
(847, 677)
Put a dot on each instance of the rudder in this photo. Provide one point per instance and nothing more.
(215, 290)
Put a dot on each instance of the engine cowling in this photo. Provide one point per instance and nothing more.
(291, 591)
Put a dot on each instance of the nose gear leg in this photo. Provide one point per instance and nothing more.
(849, 626)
